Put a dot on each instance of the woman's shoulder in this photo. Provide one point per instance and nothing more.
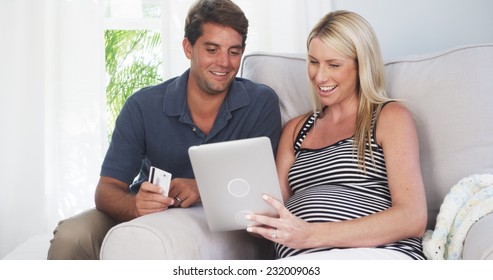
(294, 125)
(394, 109)
(394, 118)
(297, 122)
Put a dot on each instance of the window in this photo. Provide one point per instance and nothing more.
(133, 50)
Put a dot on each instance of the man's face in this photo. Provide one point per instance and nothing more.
(214, 59)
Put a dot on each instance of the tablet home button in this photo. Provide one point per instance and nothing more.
(238, 187)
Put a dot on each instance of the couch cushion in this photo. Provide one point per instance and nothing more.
(479, 244)
(286, 74)
(451, 95)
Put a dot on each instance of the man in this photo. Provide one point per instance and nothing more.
(158, 124)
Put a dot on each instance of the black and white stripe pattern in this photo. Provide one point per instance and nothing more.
(328, 186)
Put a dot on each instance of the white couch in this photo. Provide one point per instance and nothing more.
(451, 94)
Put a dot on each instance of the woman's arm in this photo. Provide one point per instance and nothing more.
(285, 154)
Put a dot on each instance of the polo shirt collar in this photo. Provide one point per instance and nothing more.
(175, 99)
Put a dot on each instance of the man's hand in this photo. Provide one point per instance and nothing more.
(150, 199)
(113, 198)
(184, 192)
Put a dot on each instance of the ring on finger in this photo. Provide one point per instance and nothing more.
(274, 234)
(178, 199)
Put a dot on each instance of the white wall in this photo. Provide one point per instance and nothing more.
(421, 26)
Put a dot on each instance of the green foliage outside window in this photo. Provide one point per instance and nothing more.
(133, 61)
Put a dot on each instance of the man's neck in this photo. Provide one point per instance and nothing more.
(204, 109)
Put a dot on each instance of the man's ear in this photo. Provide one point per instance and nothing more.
(187, 48)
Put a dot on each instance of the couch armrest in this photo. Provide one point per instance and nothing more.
(180, 234)
(478, 244)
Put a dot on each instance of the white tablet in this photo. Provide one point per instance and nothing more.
(232, 176)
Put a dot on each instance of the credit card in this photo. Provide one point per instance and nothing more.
(160, 178)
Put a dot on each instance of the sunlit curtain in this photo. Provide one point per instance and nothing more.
(52, 113)
(75, 106)
(275, 26)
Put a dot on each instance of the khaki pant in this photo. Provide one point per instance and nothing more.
(80, 237)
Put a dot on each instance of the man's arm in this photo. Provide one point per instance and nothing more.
(113, 198)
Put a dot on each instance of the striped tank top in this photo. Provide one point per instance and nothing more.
(329, 186)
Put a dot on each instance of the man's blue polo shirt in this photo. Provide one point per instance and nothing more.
(155, 128)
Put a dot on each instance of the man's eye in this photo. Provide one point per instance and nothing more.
(235, 52)
(212, 50)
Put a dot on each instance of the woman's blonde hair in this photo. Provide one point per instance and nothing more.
(351, 35)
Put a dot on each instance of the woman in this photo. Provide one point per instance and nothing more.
(349, 172)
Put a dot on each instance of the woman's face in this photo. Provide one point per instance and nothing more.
(333, 75)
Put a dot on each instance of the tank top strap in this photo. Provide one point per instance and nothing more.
(374, 121)
(305, 128)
